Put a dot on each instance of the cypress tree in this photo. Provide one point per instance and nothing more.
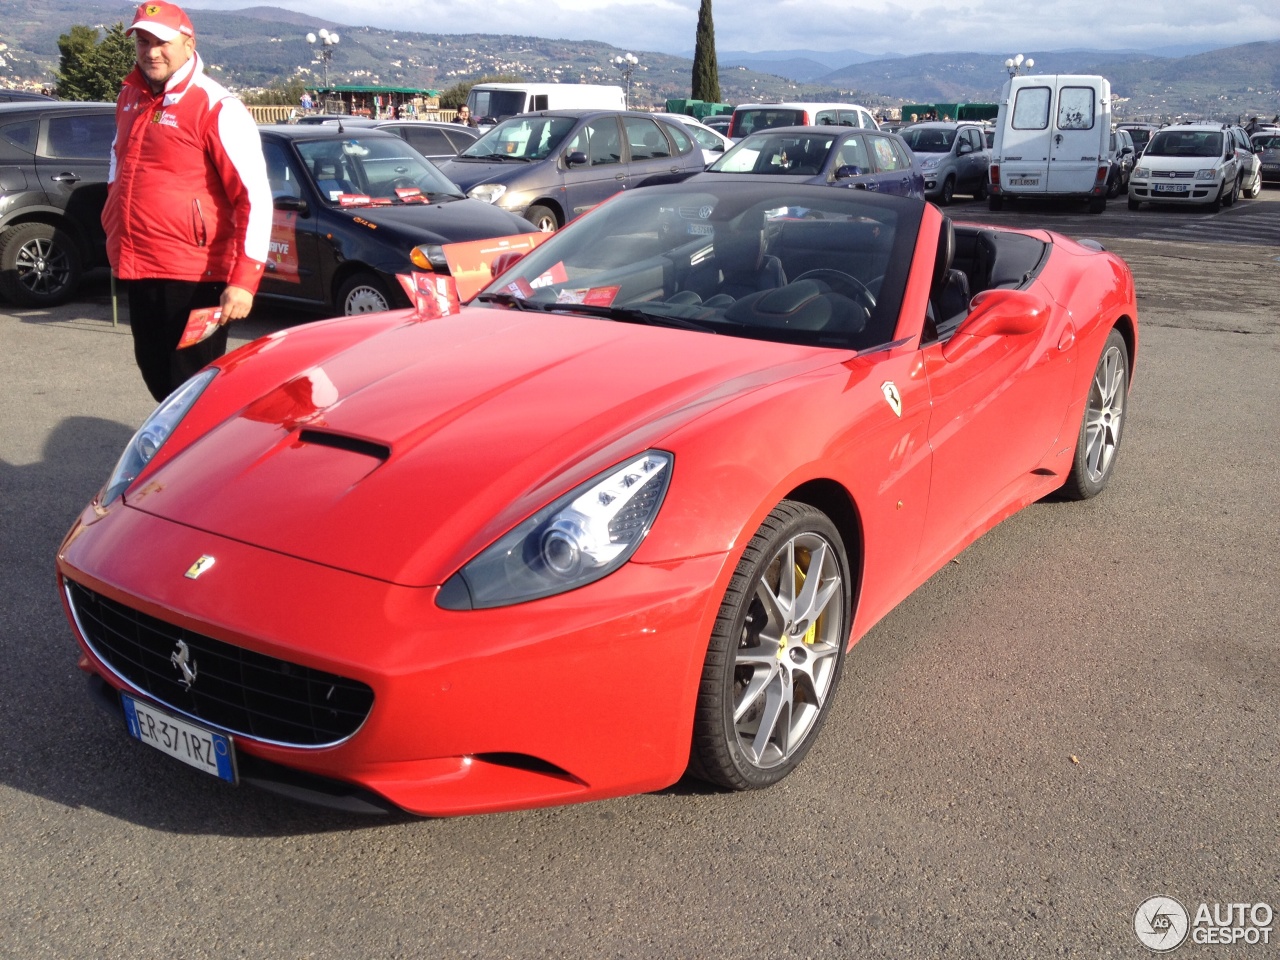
(706, 75)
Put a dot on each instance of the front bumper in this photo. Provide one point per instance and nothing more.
(1197, 191)
(577, 697)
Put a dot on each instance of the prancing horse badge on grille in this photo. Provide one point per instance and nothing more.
(199, 567)
(181, 658)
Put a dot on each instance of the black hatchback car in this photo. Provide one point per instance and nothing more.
(54, 157)
(353, 207)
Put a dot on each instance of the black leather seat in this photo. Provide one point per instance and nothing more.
(949, 296)
(744, 265)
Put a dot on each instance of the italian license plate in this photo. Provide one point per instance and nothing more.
(195, 746)
(1171, 188)
(1024, 181)
(701, 229)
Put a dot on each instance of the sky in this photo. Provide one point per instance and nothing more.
(669, 26)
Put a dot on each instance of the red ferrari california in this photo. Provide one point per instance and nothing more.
(618, 520)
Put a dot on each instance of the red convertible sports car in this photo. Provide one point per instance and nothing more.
(619, 519)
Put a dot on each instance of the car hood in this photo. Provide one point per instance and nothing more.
(1180, 164)
(402, 456)
(452, 221)
(468, 173)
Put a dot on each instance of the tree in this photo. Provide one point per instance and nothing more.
(706, 74)
(93, 70)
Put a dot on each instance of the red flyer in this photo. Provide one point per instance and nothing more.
(201, 324)
(471, 263)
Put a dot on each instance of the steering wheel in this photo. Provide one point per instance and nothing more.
(842, 283)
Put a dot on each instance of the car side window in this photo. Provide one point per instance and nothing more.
(86, 136)
(426, 140)
(1031, 108)
(22, 134)
(887, 158)
(282, 172)
(681, 136)
(600, 141)
(853, 153)
(646, 140)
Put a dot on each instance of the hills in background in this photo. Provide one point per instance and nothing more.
(258, 46)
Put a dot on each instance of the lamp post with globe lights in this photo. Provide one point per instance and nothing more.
(626, 64)
(325, 41)
(1015, 64)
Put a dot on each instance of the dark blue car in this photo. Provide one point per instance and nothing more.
(838, 156)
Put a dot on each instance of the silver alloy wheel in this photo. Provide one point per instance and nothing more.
(788, 654)
(42, 266)
(364, 299)
(1104, 416)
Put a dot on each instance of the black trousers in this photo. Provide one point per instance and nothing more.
(158, 311)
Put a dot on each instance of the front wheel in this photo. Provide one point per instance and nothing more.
(362, 293)
(776, 652)
(1230, 198)
(39, 265)
(948, 192)
(1103, 422)
(1255, 188)
(544, 218)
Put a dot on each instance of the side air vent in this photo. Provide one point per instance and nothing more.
(339, 441)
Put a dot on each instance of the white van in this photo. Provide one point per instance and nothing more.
(492, 102)
(754, 117)
(1052, 136)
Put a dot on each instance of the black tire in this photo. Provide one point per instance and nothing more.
(1230, 199)
(1134, 204)
(980, 192)
(776, 652)
(544, 218)
(1097, 204)
(948, 192)
(362, 292)
(1102, 425)
(1255, 189)
(994, 201)
(1113, 187)
(39, 265)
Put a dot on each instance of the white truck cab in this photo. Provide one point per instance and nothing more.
(1052, 136)
(493, 102)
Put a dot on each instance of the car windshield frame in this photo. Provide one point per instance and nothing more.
(939, 139)
(529, 138)
(378, 169)
(639, 257)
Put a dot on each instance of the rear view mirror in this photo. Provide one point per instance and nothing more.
(998, 313)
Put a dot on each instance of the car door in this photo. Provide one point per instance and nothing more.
(1025, 139)
(653, 157)
(1075, 148)
(971, 160)
(895, 173)
(595, 165)
(72, 162)
(853, 167)
(293, 267)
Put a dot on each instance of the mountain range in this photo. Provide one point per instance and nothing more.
(260, 46)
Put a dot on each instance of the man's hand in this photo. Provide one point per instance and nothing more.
(236, 303)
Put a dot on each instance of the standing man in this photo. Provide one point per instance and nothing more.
(188, 213)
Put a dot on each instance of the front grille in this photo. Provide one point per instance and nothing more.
(235, 689)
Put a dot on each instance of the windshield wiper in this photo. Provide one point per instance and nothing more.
(492, 156)
(634, 315)
(511, 300)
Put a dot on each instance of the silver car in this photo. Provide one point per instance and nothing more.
(953, 157)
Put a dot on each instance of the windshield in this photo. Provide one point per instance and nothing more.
(521, 138)
(929, 139)
(805, 265)
(1185, 143)
(764, 118)
(1269, 141)
(788, 154)
(1140, 136)
(498, 104)
(373, 169)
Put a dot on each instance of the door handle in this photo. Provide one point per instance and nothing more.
(66, 178)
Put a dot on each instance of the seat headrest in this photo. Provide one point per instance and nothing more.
(946, 251)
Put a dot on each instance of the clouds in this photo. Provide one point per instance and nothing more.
(998, 26)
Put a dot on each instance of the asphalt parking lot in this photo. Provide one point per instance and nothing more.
(1077, 714)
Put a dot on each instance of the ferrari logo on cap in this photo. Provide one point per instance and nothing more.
(200, 567)
(152, 9)
(891, 394)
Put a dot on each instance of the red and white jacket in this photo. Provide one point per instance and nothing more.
(187, 195)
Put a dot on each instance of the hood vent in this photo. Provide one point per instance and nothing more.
(339, 441)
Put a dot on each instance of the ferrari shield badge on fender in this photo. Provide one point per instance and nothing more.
(200, 567)
(891, 395)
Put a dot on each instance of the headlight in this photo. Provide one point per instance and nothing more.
(429, 256)
(488, 192)
(930, 163)
(584, 536)
(151, 436)
(1210, 174)
(1142, 173)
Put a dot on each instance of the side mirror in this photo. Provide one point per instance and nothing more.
(291, 203)
(965, 148)
(845, 172)
(576, 158)
(505, 261)
(998, 313)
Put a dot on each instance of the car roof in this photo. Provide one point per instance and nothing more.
(320, 131)
(830, 129)
(944, 124)
(577, 113)
(54, 106)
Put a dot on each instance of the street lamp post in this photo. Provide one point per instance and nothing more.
(1015, 64)
(626, 64)
(326, 41)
